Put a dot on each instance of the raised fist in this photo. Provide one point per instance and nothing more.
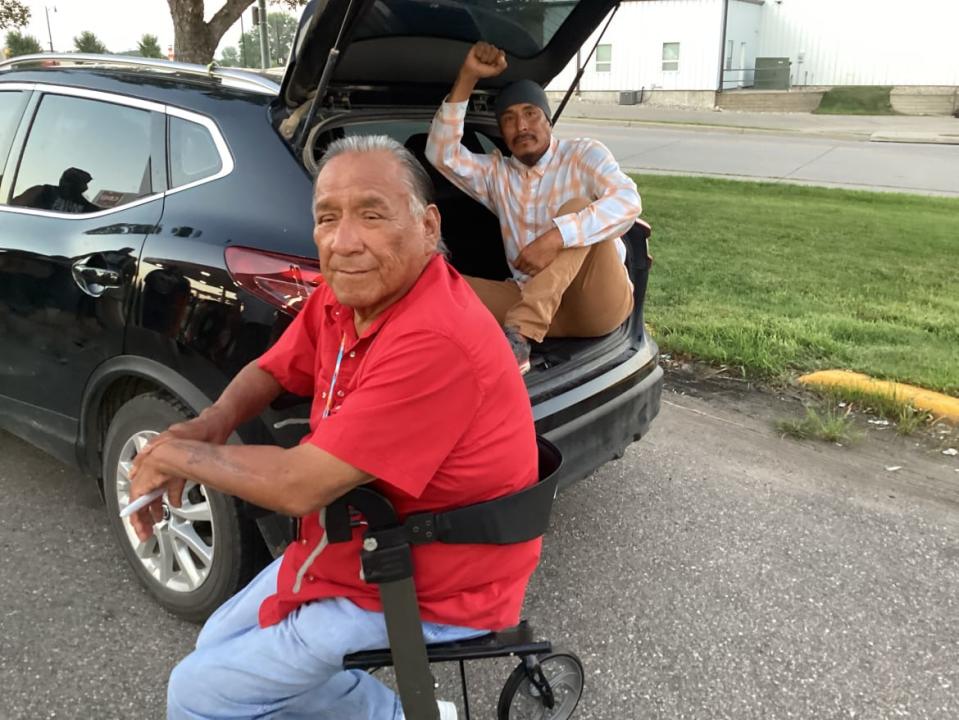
(484, 61)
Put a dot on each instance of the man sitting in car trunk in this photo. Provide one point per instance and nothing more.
(415, 390)
(562, 206)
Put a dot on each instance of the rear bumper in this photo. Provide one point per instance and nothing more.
(597, 423)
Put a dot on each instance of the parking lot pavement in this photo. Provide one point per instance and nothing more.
(716, 571)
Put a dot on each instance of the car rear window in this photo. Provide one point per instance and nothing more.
(521, 27)
(83, 156)
(193, 153)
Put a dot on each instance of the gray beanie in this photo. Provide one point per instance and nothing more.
(522, 91)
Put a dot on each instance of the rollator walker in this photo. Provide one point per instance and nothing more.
(544, 686)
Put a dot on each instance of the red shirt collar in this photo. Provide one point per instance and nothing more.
(341, 316)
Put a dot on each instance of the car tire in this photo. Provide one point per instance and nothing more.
(202, 553)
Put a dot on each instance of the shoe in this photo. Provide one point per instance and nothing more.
(520, 347)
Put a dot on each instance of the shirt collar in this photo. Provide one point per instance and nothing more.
(341, 316)
(539, 169)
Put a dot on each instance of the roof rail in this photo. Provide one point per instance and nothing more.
(229, 77)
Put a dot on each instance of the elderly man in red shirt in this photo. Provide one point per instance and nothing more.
(414, 390)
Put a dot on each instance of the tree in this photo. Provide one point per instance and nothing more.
(230, 57)
(13, 14)
(149, 46)
(18, 44)
(87, 42)
(195, 39)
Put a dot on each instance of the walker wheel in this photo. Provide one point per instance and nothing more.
(521, 700)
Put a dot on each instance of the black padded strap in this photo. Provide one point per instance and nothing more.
(405, 631)
(511, 519)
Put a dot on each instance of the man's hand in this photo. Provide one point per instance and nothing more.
(539, 253)
(146, 475)
(483, 61)
(211, 426)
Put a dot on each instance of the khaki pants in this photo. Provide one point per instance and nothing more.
(584, 292)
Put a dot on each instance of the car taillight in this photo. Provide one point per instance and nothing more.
(284, 281)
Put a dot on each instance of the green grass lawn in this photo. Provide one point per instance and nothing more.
(784, 278)
(861, 100)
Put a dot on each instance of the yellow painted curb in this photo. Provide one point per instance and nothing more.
(941, 406)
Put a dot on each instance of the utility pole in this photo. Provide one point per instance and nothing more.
(264, 37)
(242, 44)
(276, 40)
(46, 10)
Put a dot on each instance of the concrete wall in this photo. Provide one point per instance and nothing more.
(637, 36)
(770, 100)
(912, 100)
(697, 99)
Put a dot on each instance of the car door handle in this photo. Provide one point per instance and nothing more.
(100, 276)
(94, 281)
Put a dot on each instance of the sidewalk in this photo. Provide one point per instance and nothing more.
(882, 128)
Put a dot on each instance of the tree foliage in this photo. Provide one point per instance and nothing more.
(88, 42)
(281, 30)
(13, 14)
(149, 46)
(18, 44)
(230, 57)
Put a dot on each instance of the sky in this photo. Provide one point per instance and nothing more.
(118, 23)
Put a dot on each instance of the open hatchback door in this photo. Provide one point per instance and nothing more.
(409, 51)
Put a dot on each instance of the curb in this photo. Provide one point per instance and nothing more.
(918, 138)
(854, 187)
(714, 127)
(942, 406)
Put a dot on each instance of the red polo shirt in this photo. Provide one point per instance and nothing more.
(429, 401)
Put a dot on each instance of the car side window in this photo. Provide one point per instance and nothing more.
(83, 156)
(193, 153)
(11, 108)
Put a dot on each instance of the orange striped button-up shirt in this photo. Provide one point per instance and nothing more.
(526, 199)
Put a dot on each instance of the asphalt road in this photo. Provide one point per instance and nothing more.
(917, 168)
(717, 571)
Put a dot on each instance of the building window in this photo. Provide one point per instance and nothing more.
(604, 58)
(670, 57)
(729, 55)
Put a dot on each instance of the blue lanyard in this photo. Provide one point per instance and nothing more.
(336, 374)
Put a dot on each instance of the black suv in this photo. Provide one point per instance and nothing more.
(155, 236)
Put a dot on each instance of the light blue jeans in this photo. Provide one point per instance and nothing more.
(291, 670)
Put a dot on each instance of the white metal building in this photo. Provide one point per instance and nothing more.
(684, 44)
